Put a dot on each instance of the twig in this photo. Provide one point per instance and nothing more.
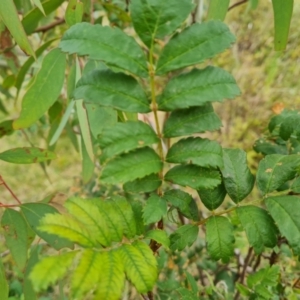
(50, 26)
(2, 182)
(237, 4)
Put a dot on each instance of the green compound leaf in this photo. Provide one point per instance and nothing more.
(193, 176)
(193, 45)
(191, 120)
(4, 291)
(140, 265)
(50, 269)
(259, 226)
(16, 236)
(111, 275)
(33, 213)
(197, 88)
(9, 16)
(87, 213)
(146, 184)
(285, 212)
(126, 136)
(45, 89)
(219, 238)
(217, 9)
(184, 202)
(159, 236)
(154, 19)
(275, 169)
(111, 89)
(107, 44)
(213, 198)
(237, 177)
(264, 279)
(283, 10)
(267, 147)
(198, 151)
(67, 227)
(184, 236)
(26, 155)
(155, 208)
(130, 166)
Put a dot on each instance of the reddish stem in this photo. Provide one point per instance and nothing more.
(2, 182)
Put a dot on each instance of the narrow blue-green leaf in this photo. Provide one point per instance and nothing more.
(126, 136)
(10, 18)
(111, 89)
(33, 213)
(193, 176)
(275, 169)
(259, 226)
(45, 89)
(4, 289)
(283, 10)
(219, 238)
(130, 166)
(26, 155)
(197, 88)
(32, 18)
(184, 236)
(193, 45)
(62, 123)
(285, 210)
(213, 198)
(159, 236)
(237, 177)
(16, 236)
(107, 44)
(146, 184)
(155, 208)
(198, 151)
(154, 19)
(217, 9)
(191, 120)
(184, 202)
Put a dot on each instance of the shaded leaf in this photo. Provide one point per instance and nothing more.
(111, 89)
(137, 209)
(285, 212)
(26, 155)
(219, 238)
(193, 45)
(267, 147)
(154, 19)
(237, 177)
(44, 91)
(184, 236)
(295, 187)
(155, 209)
(191, 120)
(132, 165)
(146, 184)
(275, 169)
(6, 128)
(10, 18)
(126, 136)
(160, 236)
(198, 151)
(193, 176)
(50, 269)
(283, 10)
(217, 9)
(197, 88)
(16, 236)
(213, 198)
(110, 45)
(184, 202)
(290, 126)
(259, 226)
(140, 265)
(33, 213)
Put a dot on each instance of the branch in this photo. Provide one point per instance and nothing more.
(50, 26)
(237, 4)
(2, 182)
